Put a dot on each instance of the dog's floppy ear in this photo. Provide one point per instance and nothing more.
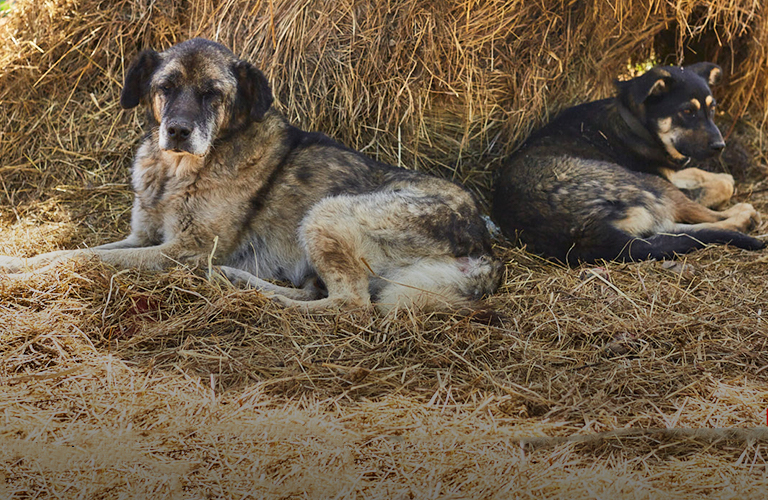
(711, 72)
(253, 92)
(654, 82)
(137, 78)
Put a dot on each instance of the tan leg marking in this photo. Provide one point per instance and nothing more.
(740, 217)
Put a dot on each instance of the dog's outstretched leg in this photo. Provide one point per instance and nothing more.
(281, 293)
(740, 217)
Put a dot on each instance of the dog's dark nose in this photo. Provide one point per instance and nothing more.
(179, 131)
(717, 146)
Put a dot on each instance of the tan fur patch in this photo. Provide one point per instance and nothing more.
(708, 100)
(696, 103)
(714, 75)
(658, 87)
(637, 222)
(640, 221)
(665, 125)
(182, 165)
(668, 136)
(158, 102)
(689, 178)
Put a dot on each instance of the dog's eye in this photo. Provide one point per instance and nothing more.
(166, 88)
(210, 95)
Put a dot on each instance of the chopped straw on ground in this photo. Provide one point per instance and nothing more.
(618, 381)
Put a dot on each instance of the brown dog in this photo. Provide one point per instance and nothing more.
(222, 175)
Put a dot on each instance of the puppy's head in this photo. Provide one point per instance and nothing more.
(195, 92)
(676, 105)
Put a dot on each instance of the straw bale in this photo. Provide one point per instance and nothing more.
(615, 381)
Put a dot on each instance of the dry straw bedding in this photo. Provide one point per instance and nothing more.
(121, 384)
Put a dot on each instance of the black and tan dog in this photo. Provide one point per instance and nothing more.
(222, 174)
(601, 181)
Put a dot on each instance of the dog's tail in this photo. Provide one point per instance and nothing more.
(667, 245)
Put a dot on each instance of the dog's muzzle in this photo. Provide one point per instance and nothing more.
(177, 136)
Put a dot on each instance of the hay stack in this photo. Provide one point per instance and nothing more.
(439, 85)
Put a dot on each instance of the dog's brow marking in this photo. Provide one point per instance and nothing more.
(708, 100)
(211, 85)
(696, 103)
(173, 71)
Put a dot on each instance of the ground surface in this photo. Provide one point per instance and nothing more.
(127, 384)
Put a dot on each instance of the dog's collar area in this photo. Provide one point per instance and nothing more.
(634, 124)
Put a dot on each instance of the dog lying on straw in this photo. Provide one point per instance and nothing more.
(223, 176)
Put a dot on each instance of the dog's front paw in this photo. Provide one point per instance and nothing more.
(755, 220)
(718, 191)
(706, 188)
(742, 217)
